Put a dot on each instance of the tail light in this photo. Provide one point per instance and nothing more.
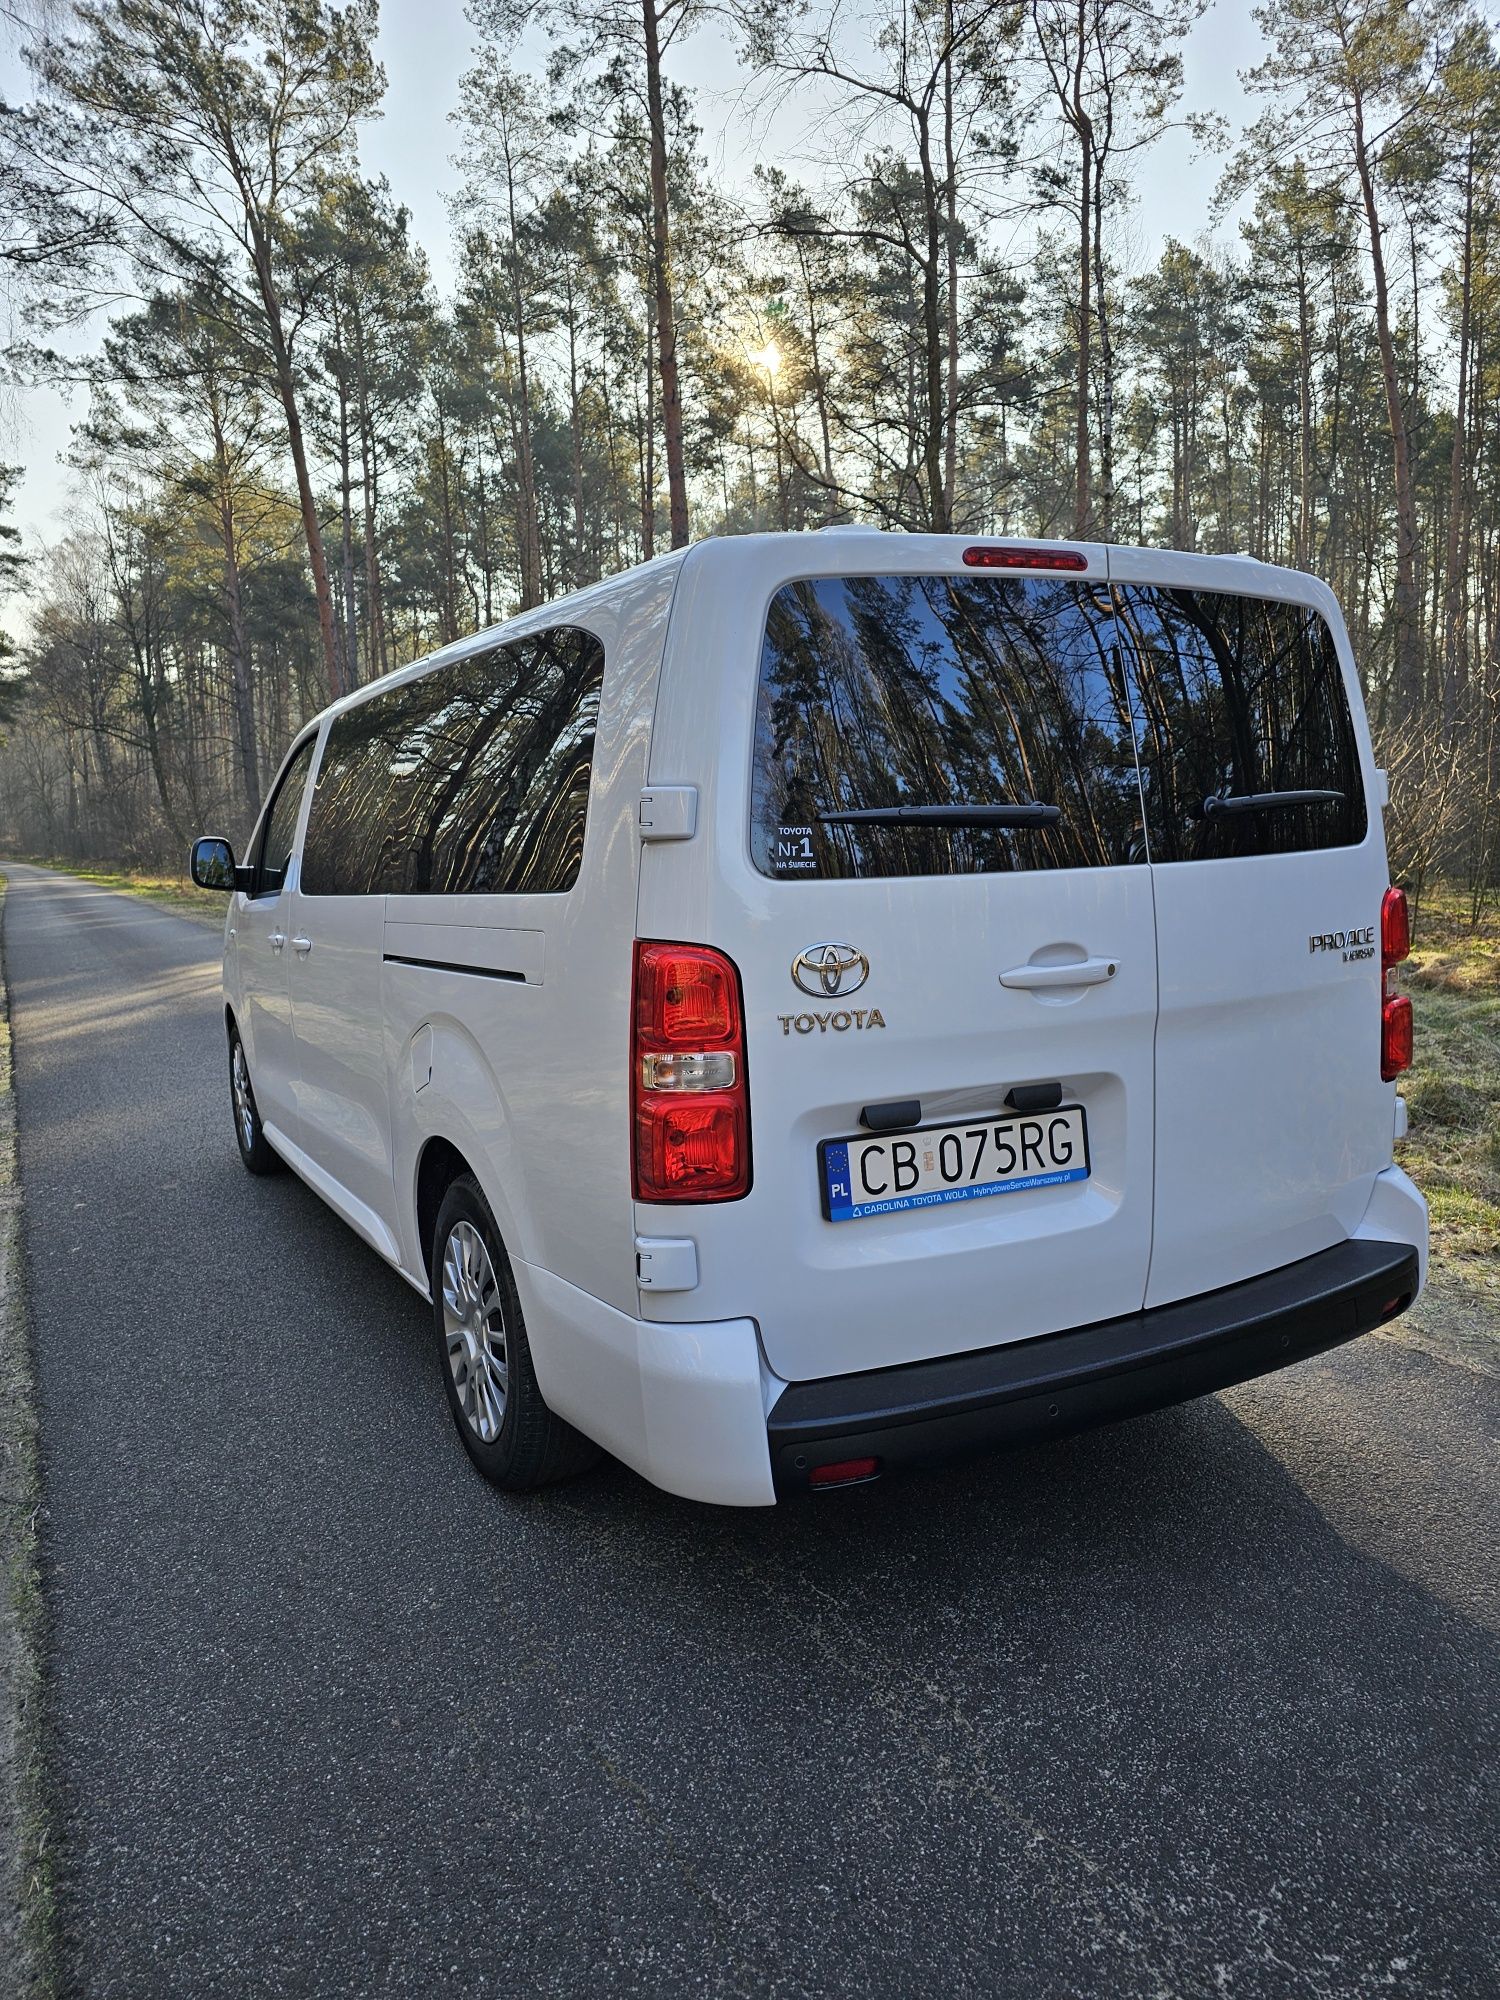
(1395, 1008)
(689, 1103)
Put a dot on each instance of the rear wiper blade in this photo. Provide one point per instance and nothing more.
(977, 815)
(1261, 802)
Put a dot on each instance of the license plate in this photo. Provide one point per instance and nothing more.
(893, 1171)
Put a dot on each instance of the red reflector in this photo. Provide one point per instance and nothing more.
(845, 1473)
(986, 558)
(1395, 1037)
(1395, 927)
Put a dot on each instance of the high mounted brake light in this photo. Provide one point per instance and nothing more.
(980, 557)
(1395, 1008)
(690, 1111)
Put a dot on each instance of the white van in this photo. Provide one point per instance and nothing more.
(820, 1003)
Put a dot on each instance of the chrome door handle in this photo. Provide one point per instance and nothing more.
(1082, 972)
(302, 946)
(278, 939)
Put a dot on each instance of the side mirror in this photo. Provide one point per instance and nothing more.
(211, 863)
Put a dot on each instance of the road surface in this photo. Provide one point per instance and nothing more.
(1201, 1704)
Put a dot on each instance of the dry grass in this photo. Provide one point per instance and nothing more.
(1453, 1090)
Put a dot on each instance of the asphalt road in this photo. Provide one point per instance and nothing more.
(1203, 1704)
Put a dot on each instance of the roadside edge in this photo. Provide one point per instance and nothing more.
(28, 1924)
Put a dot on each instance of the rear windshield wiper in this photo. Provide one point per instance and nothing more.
(1262, 802)
(977, 815)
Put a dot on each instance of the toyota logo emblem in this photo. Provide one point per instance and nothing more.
(828, 970)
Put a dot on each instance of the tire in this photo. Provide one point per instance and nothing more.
(485, 1358)
(256, 1150)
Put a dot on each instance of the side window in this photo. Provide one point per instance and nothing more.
(1241, 704)
(341, 855)
(280, 824)
(473, 780)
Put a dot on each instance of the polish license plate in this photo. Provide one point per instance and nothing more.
(889, 1172)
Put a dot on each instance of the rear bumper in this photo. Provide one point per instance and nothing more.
(929, 1411)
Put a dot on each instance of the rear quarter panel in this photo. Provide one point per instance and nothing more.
(528, 1076)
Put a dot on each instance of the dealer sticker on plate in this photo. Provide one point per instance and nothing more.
(889, 1172)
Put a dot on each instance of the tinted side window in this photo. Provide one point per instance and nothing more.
(941, 690)
(280, 824)
(470, 781)
(1238, 696)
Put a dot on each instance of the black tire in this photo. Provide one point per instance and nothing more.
(526, 1445)
(256, 1150)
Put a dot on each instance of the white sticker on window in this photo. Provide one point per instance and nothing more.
(792, 851)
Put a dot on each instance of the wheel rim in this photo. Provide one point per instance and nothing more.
(244, 1103)
(474, 1331)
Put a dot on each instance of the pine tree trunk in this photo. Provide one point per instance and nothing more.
(931, 404)
(1455, 591)
(1408, 662)
(950, 164)
(648, 462)
(1082, 125)
(286, 388)
(350, 629)
(661, 271)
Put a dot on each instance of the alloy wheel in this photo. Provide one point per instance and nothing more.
(244, 1101)
(474, 1330)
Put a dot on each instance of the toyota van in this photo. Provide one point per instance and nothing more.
(822, 1003)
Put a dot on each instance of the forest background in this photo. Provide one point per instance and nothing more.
(297, 461)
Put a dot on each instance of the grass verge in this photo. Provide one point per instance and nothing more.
(1453, 1090)
(28, 1920)
(1452, 1150)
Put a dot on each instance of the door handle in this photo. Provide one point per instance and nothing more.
(1082, 972)
(302, 946)
(278, 939)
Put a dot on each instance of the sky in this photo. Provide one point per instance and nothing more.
(425, 46)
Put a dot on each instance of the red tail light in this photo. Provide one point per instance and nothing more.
(1395, 1008)
(1395, 928)
(987, 558)
(1395, 1036)
(690, 1106)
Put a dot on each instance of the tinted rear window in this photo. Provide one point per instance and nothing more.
(1238, 697)
(941, 690)
(472, 780)
(910, 690)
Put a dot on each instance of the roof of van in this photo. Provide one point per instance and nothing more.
(819, 550)
(540, 615)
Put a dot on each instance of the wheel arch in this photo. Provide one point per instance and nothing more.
(439, 1164)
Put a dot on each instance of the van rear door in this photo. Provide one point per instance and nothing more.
(932, 962)
(1268, 872)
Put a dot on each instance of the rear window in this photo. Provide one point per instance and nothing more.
(941, 690)
(473, 780)
(1167, 725)
(1240, 699)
